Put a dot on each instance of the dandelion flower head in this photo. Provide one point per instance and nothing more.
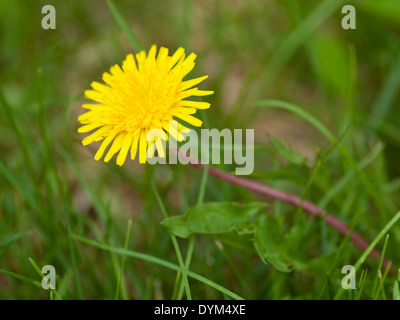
(145, 94)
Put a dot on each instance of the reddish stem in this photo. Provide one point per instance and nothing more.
(307, 206)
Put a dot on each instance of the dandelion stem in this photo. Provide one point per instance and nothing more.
(307, 206)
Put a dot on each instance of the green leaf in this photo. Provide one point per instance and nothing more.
(232, 223)
(286, 153)
(213, 218)
(242, 241)
(273, 244)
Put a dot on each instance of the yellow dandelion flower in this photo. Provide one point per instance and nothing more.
(143, 95)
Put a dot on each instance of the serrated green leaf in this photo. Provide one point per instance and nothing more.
(213, 218)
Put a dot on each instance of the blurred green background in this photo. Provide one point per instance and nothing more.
(289, 50)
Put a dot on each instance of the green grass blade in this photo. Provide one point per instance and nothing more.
(192, 240)
(124, 26)
(20, 136)
(35, 266)
(121, 273)
(387, 95)
(362, 280)
(161, 262)
(396, 290)
(380, 265)
(320, 127)
(297, 38)
(366, 253)
(21, 277)
(174, 242)
(343, 182)
(71, 249)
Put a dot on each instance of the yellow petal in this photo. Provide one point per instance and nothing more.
(142, 147)
(176, 56)
(190, 58)
(186, 110)
(150, 149)
(160, 148)
(190, 119)
(117, 144)
(152, 52)
(186, 69)
(103, 146)
(129, 64)
(171, 128)
(193, 104)
(134, 146)
(91, 106)
(116, 71)
(94, 95)
(202, 93)
(108, 78)
(126, 145)
(95, 135)
(100, 87)
(182, 128)
(141, 58)
(162, 54)
(85, 116)
(89, 127)
(190, 83)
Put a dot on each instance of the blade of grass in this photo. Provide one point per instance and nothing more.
(380, 265)
(320, 127)
(366, 253)
(121, 273)
(174, 242)
(294, 40)
(289, 198)
(362, 281)
(386, 97)
(124, 26)
(35, 266)
(381, 285)
(158, 261)
(20, 136)
(343, 181)
(21, 277)
(396, 289)
(236, 271)
(20, 187)
(13, 237)
(71, 249)
(192, 240)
